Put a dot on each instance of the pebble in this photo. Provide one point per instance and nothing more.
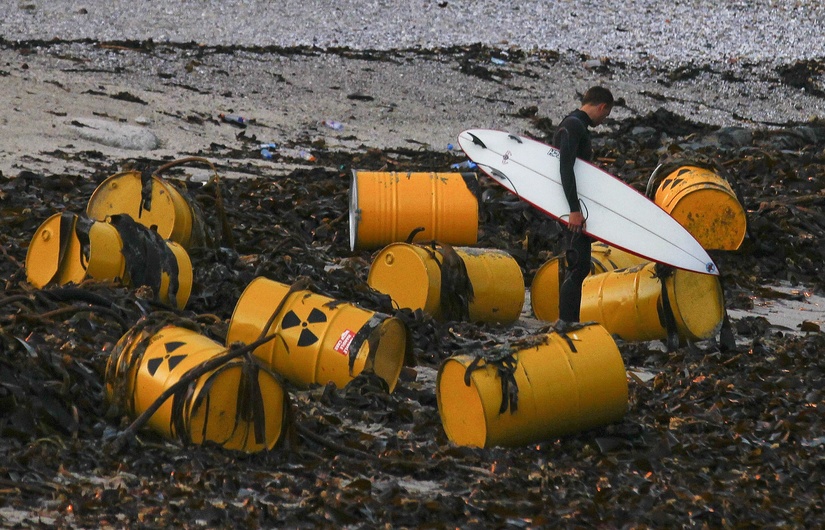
(637, 31)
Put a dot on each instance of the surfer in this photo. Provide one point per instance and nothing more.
(573, 140)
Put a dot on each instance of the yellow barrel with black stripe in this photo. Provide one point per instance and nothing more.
(153, 202)
(634, 303)
(568, 383)
(544, 290)
(461, 283)
(385, 207)
(319, 340)
(238, 406)
(68, 248)
(706, 205)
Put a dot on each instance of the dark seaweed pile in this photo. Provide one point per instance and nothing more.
(721, 437)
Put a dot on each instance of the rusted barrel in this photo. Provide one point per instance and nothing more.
(706, 205)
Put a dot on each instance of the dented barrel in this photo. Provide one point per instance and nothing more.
(572, 381)
(319, 340)
(706, 205)
(385, 207)
(239, 406)
(68, 248)
(461, 283)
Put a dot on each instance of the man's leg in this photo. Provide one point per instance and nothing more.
(578, 267)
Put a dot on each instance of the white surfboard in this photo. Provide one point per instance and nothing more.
(615, 213)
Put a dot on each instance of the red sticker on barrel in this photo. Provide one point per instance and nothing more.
(342, 345)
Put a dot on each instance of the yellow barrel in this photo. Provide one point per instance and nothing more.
(385, 207)
(706, 205)
(544, 291)
(167, 211)
(317, 336)
(144, 366)
(68, 248)
(412, 276)
(630, 304)
(563, 387)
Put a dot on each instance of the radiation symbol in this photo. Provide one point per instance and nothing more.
(173, 360)
(307, 338)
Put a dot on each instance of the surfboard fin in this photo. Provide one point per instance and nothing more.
(514, 137)
(498, 174)
(477, 140)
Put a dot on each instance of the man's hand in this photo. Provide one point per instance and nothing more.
(575, 222)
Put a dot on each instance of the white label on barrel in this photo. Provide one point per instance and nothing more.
(342, 346)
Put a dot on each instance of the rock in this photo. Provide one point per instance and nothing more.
(115, 134)
(735, 136)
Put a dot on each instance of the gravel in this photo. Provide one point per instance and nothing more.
(634, 31)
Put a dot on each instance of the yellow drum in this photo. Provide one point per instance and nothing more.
(486, 283)
(223, 406)
(544, 291)
(68, 248)
(630, 304)
(158, 205)
(385, 207)
(319, 340)
(565, 385)
(705, 205)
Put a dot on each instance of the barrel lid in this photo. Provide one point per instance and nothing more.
(354, 214)
(52, 258)
(409, 275)
(391, 351)
(699, 303)
(121, 193)
(544, 291)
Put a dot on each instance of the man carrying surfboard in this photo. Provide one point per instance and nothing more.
(573, 140)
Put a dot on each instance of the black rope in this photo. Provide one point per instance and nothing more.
(666, 316)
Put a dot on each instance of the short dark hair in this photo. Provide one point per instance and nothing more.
(597, 95)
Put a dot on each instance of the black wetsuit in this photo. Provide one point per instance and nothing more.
(573, 141)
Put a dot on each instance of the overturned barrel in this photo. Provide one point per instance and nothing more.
(68, 248)
(238, 405)
(569, 382)
(706, 205)
(643, 302)
(151, 201)
(319, 340)
(385, 207)
(544, 290)
(461, 283)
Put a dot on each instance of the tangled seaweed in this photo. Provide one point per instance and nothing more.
(715, 439)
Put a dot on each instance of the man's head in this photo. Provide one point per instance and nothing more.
(597, 102)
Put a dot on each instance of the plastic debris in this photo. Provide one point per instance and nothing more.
(233, 119)
(467, 164)
(332, 124)
(267, 154)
